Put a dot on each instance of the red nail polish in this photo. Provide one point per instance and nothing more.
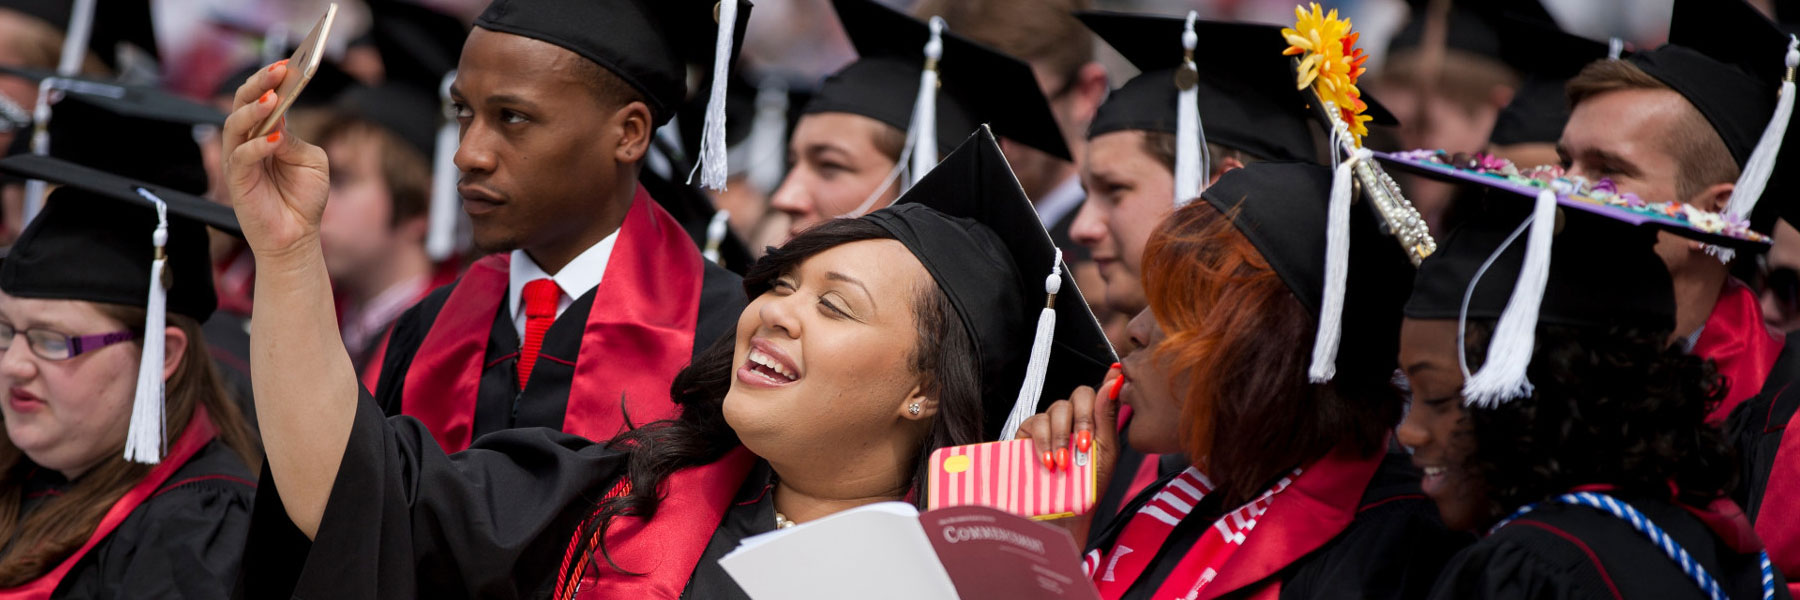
(1084, 441)
(266, 95)
(1114, 394)
(1117, 365)
(1062, 458)
(1050, 460)
(277, 64)
(275, 137)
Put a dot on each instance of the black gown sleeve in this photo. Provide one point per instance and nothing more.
(1520, 563)
(185, 542)
(406, 520)
(1394, 550)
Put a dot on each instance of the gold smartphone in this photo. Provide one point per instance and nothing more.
(301, 67)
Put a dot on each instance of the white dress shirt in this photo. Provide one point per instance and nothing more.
(576, 278)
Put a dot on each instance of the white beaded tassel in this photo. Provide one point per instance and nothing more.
(1337, 271)
(1190, 140)
(711, 165)
(1502, 377)
(1039, 364)
(1761, 165)
(144, 440)
(922, 132)
(446, 205)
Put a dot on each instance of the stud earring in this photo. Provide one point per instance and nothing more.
(914, 409)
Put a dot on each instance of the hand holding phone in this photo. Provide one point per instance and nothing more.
(300, 69)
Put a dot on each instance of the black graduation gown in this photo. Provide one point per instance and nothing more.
(1393, 548)
(184, 542)
(1757, 424)
(1560, 551)
(544, 401)
(407, 521)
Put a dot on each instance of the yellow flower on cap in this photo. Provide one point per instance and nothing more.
(1331, 63)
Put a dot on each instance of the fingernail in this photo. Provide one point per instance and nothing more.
(1062, 458)
(264, 99)
(1114, 394)
(1050, 460)
(1084, 440)
(275, 137)
(1117, 365)
(277, 64)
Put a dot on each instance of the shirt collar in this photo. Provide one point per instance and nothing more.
(575, 279)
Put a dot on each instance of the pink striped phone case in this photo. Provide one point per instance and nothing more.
(1011, 476)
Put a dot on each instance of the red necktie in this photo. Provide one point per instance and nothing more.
(540, 297)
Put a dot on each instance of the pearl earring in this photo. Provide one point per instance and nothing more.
(914, 409)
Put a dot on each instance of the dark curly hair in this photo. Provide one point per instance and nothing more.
(700, 435)
(1618, 407)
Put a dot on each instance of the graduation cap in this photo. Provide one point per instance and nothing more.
(106, 238)
(898, 56)
(136, 132)
(327, 82)
(648, 44)
(1243, 90)
(975, 231)
(1282, 208)
(1548, 57)
(1471, 26)
(119, 27)
(418, 45)
(136, 101)
(1532, 280)
(1737, 68)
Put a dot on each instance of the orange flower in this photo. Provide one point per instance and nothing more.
(1330, 62)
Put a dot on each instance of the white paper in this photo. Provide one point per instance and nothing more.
(874, 552)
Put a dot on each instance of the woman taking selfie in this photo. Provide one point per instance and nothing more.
(1600, 479)
(94, 502)
(1293, 492)
(867, 344)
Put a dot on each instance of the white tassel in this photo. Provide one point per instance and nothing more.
(75, 43)
(711, 164)
(768, 136)
(922, 131)
(715, 235)
(1615, 48)
(1761, 165)
(1190, 140)
(1337, 271)
(144, 440)
(1039, 365)
(440, 231)
(1502, 378)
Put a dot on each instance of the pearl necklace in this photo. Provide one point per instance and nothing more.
(782, 522)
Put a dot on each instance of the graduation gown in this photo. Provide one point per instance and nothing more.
(1770, 461)
(1559, 551)
(650, 245)
(183, 540)
(1382, 539)
(406, 520)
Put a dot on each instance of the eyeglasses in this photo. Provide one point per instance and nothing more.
(51, 345)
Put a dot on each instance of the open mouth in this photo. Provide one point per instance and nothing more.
(766, 366)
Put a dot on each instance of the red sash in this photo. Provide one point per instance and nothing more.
(666, 549)
(199, 431)
(638, 335)
(1737, 341)
(1311, 509)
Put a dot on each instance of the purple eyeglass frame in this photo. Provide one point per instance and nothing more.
(81, 344)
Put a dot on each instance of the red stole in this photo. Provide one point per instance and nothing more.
(639, 333)
(667, 548)
(199, 432)
(1314, 508)
(1737, 341)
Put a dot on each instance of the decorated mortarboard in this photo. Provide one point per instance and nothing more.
(1547, 57)
(1737, 68)
(1555, 199)
(106, 238)
(648, 44)
(1232, 82)
(901, 59)
(975, 231)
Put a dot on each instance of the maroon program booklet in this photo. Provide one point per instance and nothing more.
(889, 550)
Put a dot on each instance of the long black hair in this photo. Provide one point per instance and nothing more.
(1616, 406)
(945, 352)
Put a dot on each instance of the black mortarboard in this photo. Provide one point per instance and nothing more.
(647, 43)
(1282, 208)
(327, 83)
(116, 23)
(1247, 95)
(141, 134)
(1547, 57)
(977, 234)
(979, 85)
(92, 240)
(410, 113)
(101, 238)
(1728, 61)
(1473, 26)
(418, 45)
(127, 100)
